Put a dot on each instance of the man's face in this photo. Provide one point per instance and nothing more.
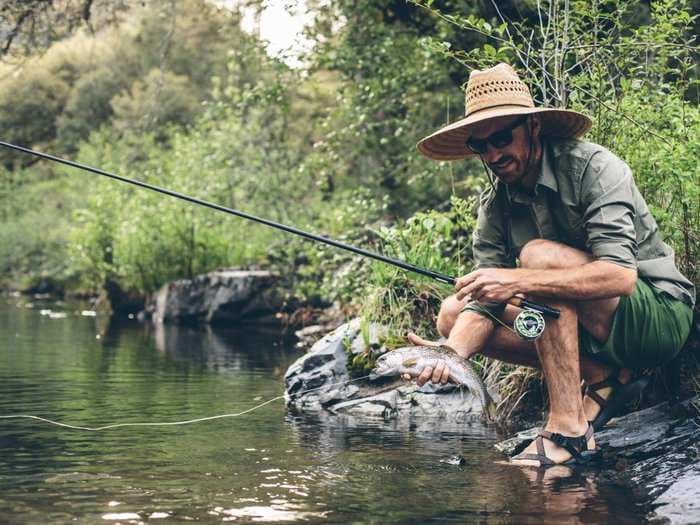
(509, 162)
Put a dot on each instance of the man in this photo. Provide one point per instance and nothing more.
(562, 224)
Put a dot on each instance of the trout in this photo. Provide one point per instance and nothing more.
(412, 360)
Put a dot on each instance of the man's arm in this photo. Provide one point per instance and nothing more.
(595, 280)
(591, 281)
(606, 196)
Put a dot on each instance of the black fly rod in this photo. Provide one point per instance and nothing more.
(446, 279)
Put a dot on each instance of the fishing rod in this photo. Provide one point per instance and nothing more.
(446, 279)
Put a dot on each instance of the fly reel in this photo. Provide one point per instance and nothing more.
(529, 324)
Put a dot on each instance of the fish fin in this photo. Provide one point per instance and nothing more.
(408, 363)
(490, 409)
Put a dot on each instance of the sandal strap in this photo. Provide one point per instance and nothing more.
(539, 443)
(591, 390)
(611, 381)
(574, 445)
(540, 456)
(595, 396)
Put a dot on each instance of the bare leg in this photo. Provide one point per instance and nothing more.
(556, 351)
(469, 333)
(498, 342)
(595, 316)
(495, 341)
(505, 346)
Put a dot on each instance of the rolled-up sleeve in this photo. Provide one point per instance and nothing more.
(489, 246)
(607, 198)
(490, 249)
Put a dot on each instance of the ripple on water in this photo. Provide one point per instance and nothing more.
(268, 466)
(269, 513)
(118, 516)
(72, 477)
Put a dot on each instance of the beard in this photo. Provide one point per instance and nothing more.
(505, 169)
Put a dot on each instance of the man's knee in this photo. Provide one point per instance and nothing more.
(449, 310)
(544, 254)
(537, 253)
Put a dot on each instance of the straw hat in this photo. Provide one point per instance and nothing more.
(498, 92)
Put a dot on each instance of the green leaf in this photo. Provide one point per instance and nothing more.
(490, 50)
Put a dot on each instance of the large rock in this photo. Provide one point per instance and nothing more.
(319, 380)
(657, 449)
(319, 377)
(217, 297)
(401, 398)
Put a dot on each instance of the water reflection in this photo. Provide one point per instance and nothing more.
(232, 349)
(268, 466)
(370, 452)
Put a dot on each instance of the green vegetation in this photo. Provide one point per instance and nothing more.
(180, 96)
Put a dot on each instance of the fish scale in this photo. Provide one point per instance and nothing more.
(412, 360)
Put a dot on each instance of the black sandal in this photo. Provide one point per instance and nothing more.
(620, 395)
(577, 446)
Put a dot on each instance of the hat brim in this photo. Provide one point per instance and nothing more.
(449, 142)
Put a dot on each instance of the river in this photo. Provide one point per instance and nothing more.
(58, 361)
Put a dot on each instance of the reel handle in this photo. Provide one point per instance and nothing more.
(537, 307)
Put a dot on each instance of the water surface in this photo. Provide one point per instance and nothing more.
(266, 466)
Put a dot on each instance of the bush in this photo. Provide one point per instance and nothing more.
(403, 301)
(162, 98)
(29, 106)
(87, 107)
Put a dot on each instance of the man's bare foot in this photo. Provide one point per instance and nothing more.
(591, 407)
(417, 340)
(455, 345)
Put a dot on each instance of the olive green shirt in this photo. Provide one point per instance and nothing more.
(586, 198)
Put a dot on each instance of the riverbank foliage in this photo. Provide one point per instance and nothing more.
(179, 95)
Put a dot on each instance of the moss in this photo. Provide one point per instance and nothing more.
(361, 364)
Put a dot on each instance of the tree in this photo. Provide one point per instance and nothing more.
(162, 98)
(31, 25)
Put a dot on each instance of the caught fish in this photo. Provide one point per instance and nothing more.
(412, 360)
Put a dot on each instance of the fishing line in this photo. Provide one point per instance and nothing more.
(173, 423)
(484, 311)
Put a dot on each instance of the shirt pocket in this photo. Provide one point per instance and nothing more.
(523, 228)
(571, 227)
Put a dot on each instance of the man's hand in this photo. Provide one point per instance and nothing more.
(488, 285)
(439, 374)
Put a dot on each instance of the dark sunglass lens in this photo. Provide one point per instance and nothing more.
(477, 145)
(501, 138)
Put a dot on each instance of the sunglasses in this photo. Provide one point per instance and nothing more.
(499, 139)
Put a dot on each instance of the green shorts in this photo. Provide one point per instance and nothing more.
(648, 329)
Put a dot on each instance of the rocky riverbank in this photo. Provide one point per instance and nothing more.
(657, 450)
(225, 296)
(319, 380)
